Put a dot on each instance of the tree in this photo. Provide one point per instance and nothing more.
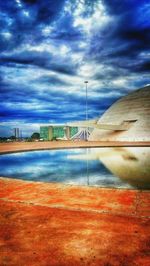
(35, 135)
(12, 137)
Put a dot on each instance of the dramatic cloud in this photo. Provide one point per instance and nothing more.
(49, 48)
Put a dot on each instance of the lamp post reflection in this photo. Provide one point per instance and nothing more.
(86, 131)
(86, 109)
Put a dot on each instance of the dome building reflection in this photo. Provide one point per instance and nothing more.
(131, 165)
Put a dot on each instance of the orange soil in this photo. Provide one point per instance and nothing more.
(44, 224)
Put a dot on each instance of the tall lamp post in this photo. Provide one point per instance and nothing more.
(86, 108)
(86, 131)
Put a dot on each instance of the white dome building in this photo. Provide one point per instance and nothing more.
(128, 119)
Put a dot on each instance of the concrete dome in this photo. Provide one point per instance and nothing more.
(132, 110)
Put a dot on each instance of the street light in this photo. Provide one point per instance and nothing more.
(86, 107)
(86, 132)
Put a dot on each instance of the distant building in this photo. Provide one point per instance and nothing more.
(57, 132)
(16, 133)
(46, 133)
(73, 131)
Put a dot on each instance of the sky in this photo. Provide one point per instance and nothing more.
(49, 48)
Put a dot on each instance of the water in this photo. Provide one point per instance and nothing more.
(103, 167)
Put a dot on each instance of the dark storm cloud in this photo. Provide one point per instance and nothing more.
(117, 7)
(48, 48)
(126, 36)
(65, 30)
(144, 67)
(41, 59)
(24, 17)
(52, 105)
(51, 81)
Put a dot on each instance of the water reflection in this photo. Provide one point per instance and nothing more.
(131, 165)
(105, 167)
(52, 166)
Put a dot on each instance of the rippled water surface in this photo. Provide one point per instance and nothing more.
(104, 167)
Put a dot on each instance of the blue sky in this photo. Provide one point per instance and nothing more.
(49, 48)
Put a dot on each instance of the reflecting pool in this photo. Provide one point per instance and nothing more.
(104, 167)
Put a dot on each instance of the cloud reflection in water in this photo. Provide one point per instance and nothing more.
(107, 167)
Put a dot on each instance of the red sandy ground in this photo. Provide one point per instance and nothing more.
(44, 224)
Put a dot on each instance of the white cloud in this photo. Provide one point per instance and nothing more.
(7, 35)
(53, 48)
(63, 49)
(87, 70)
(25, 13)
(119, 82)
(89, 24)
(19, 3)
(46, 31)
(82, 44)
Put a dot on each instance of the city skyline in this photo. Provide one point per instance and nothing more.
(50, 48)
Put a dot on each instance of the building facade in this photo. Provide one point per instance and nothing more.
(16, 133)
(57, 132)
(73, 131)
(46, 133)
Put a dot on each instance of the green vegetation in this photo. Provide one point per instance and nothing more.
(35, 135)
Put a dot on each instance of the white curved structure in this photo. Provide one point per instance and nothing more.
(131, 165)
(132, 113)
